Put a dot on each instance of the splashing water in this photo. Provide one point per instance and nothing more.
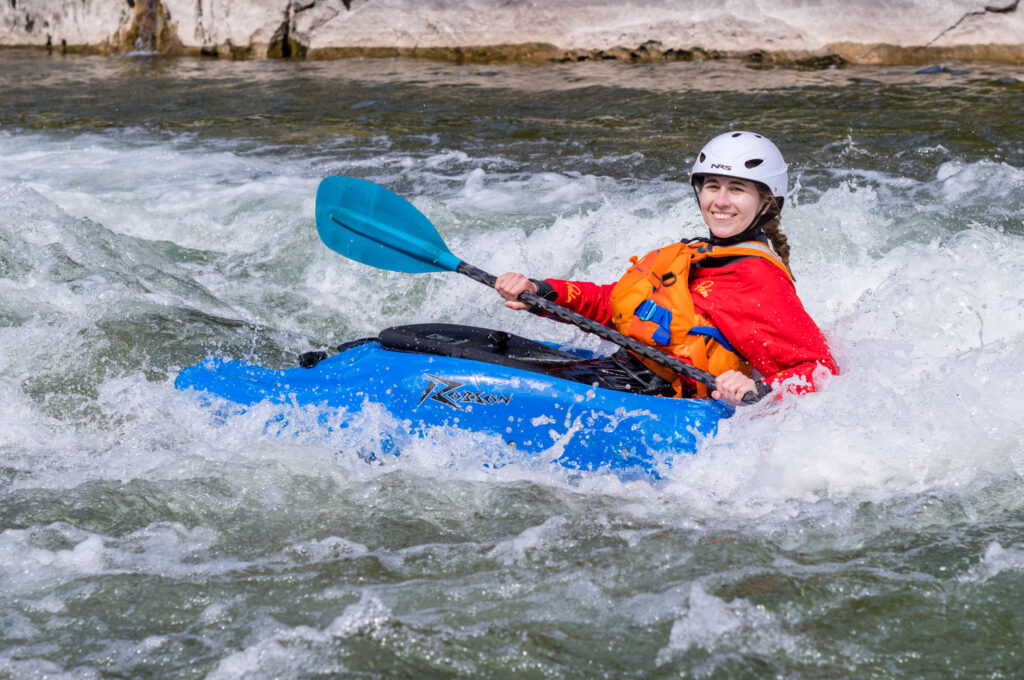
(156, 213)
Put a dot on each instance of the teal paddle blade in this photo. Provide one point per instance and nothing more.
(369, 224)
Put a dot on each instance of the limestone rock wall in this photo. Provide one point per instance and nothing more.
(861, 31)
(37, 22)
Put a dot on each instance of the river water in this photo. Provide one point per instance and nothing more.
(157, 212)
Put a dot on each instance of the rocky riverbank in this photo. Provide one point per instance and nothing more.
(772, 31)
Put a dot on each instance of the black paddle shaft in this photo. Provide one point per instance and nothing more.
(602, 331)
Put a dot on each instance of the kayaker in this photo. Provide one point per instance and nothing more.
(739, 312)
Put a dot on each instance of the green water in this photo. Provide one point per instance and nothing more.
(155, 212)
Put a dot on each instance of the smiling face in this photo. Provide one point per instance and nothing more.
(729, 205)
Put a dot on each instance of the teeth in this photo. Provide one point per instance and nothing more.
(720, 216)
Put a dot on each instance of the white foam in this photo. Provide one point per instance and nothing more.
(714, 625)
(928, 339)
(330, 548)
(30, 562)
(520, 547)
(367, 616)
(42, 669)
(145, 186)
(995, 561)
(284, 650)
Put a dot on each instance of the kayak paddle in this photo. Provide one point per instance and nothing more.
(369, 224)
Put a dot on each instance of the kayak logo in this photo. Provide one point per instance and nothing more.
(719, 166)
(450, 393)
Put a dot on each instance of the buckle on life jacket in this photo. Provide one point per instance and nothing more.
(648, 310)
(712, 332)
(668, 279)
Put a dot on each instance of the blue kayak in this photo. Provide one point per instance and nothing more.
(585, 412)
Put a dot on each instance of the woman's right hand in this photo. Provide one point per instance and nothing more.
(510, 285)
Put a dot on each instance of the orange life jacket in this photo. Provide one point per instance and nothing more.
(652, 303)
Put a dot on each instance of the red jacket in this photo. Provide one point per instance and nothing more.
(751, 302)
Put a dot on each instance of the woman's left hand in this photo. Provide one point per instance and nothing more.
(731, 386)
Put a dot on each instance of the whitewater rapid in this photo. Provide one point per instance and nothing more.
(166, 539)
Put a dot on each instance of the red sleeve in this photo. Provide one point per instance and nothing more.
(589, 299)
(764, 320)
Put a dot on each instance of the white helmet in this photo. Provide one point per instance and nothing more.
(746, 155)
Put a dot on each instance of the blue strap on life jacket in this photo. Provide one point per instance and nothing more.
(712, 332)
(649, 311)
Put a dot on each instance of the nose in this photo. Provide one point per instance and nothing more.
(720, 198)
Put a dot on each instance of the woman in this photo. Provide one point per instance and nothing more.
(725, 303)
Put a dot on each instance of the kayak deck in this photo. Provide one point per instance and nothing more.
(506, 386)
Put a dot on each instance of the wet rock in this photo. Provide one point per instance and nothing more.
(942, 69)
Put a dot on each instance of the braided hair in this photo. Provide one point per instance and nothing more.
(772, 227)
